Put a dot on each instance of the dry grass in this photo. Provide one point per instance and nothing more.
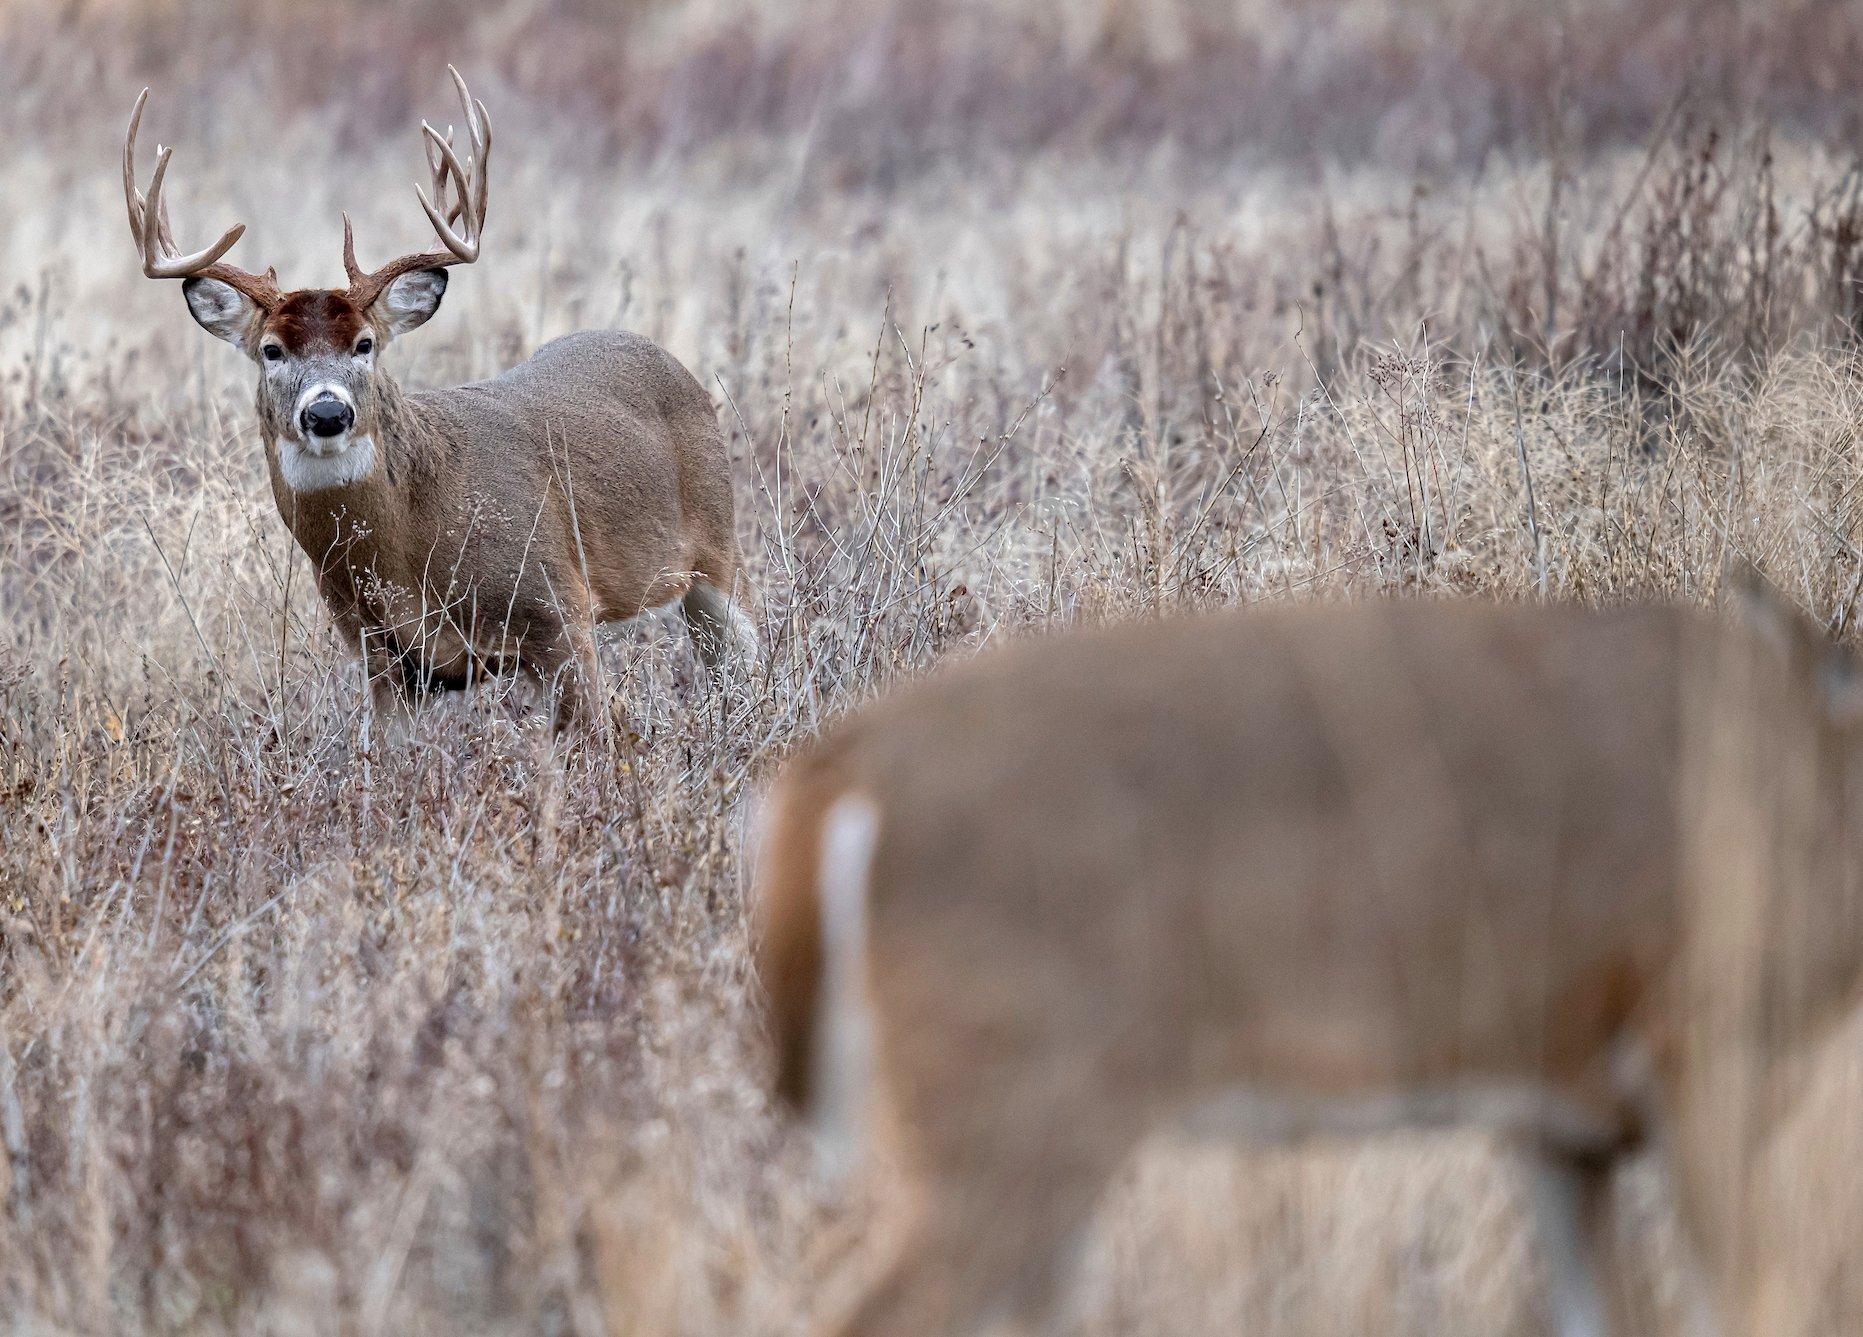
(1030, 322)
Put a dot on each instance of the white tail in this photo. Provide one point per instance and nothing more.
(843, 1020)
(1313, 872)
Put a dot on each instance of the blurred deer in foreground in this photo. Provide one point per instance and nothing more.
(469, 531)
(1576, 878)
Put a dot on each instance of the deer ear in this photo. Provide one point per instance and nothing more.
(410, 301)
(1758, 604)
(1840, 678)
(221, 309)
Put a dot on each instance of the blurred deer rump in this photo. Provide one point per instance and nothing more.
(1584, 879)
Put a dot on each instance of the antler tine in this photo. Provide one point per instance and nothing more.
(152, 214)
(350, 267)
(131, 196)
(436, 165)
(477, 123)
(484, 154)
(163, 230)
(455, 208)
(155, 241)
(439, 164)
(437, 168)
(479, 132)
(466, 247)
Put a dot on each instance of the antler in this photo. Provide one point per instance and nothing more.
(464, 205)
(148, 223)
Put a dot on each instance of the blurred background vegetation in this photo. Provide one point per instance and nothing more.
(883, 87)
(1016, 315)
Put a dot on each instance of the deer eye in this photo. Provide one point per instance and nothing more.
(364, 346)
(272, 353)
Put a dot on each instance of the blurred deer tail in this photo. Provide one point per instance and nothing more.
(810, 947)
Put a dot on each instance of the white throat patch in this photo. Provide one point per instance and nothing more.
(305, 471)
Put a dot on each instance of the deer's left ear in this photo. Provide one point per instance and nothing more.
(410, 301)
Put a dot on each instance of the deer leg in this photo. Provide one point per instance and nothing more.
(967, 1270)
(1701, 1310)
(721, 630)
(564, 662)
(999, 1227)
(391, 703)
(557, 647)
(1702, 1300)
(1571, 1196)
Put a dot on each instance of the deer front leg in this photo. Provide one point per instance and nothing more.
(389, 696)
(579, 707)
(382, 673)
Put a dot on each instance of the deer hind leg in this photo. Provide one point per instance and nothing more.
(992, 1246)
(579, 705)
(1586, 1291)
(563, 661)
(1702, 1300)
(1010, 1150)
(721, 630)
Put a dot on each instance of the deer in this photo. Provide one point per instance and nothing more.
(481, 529)
(1572, 877)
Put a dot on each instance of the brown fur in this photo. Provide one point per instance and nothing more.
(312, 319)
(496, 523)
(505, 518)
(1341, 853)
(788, 945)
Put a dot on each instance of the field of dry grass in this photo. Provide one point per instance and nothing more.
(1018, 316)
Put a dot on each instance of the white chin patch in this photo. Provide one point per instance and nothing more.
(339, 465)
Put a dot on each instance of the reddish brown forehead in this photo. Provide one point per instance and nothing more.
(315, 318)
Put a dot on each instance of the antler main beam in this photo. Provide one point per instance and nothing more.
(456, 207)
(155, 241)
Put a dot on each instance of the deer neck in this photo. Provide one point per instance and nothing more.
(345, 512)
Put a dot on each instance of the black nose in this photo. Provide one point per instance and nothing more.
(327, 417)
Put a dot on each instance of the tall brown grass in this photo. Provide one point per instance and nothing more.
(1017, 318)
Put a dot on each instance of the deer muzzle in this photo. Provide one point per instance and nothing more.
(327, 416)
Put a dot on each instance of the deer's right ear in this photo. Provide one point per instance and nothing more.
(221, 309)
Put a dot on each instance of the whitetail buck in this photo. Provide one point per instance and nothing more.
(1578, 878)
(486, 527)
